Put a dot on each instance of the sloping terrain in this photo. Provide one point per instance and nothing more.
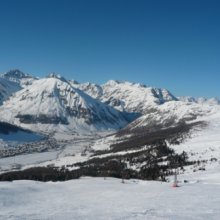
(51, 104)
(126, 96)
(145, 151)
(13, 81)
(7, 88)
(18, 77)
(88, 136)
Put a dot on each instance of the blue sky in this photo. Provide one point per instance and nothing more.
(173, 44)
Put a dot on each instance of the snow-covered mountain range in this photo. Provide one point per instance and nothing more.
(54, 103)
(17, 76)
(13, 81)
(127, 96)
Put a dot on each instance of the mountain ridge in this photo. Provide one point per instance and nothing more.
(57, 101)
(54, 101)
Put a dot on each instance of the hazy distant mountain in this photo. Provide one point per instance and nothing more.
(200, 100)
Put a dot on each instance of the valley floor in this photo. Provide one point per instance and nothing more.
(96, 198)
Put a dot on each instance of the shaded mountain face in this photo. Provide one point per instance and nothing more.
(13, 133)
(126, 96)
(7, 88)
(13, 81)
(53, 101)
(17, 76)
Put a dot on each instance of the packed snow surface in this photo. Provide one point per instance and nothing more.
(99, 199)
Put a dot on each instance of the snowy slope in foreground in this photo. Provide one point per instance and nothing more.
(99, 199)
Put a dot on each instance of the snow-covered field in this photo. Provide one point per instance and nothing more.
(97, 199)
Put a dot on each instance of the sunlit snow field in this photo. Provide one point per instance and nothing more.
(96, 199)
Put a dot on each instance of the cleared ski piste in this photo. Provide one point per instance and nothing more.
(96, 199)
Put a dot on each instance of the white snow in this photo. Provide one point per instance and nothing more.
(99, 199)
(26, 160)
(18, 77)
(171, 113)
(56, 99)
(127, 96)
(204, 143)
(96, 198)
